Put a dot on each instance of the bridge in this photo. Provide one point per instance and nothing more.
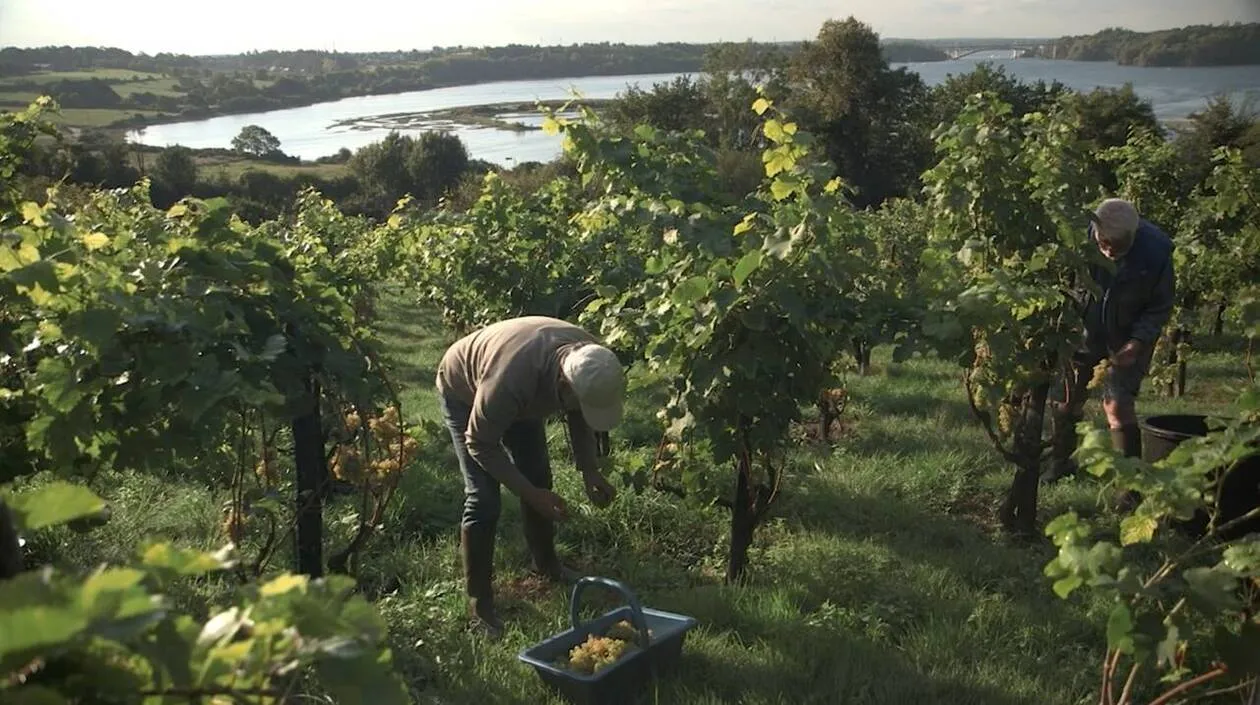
(1016, 51)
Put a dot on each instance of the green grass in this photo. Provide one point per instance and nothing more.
(232, 167)
(880, 578)
(156, 86)
(95, 117)
(17, 100)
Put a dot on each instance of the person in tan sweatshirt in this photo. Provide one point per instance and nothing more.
(497, 387)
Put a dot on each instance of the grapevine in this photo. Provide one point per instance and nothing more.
(163, 340)
(1009, 196)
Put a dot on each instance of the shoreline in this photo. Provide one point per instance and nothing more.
(129, 123)
(497, 116)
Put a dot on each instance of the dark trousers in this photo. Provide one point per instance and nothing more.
(526, 443)
(1119, 384)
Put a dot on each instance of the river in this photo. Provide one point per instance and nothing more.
(311, 131)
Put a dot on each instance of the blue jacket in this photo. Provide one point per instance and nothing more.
(1138, 298)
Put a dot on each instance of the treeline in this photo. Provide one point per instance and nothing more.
(873, 121)
(373, 180)
(876, 128)
(270, 80)
(876, 122)
(1196, 45)
(459, 63)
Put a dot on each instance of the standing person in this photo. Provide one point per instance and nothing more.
(1123, 325)
(497, 386)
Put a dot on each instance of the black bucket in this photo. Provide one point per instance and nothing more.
(1240, 492)
(1160, 434)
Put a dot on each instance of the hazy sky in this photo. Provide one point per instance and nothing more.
(231, 26)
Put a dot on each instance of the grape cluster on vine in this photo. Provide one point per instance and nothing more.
(391, 450)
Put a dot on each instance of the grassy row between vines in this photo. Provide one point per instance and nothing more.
(880, 579)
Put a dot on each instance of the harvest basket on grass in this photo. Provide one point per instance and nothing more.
(658, 647)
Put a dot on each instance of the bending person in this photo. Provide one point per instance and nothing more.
(497, 386)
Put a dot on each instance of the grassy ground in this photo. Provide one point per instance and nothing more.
(104, 74)
(124, 82)
(880, 579)
(231, 168)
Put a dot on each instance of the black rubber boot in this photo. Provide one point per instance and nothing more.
(477, 552)
(540, 537)
(1128, 440)
(1063, 445)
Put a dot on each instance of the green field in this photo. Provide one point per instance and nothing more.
(880, 578)
(92, 118)
(96, 117)
(157, 86)
(54, 76)
(232, 168)
(17, 100)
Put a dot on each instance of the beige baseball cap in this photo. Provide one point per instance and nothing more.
(599, 382)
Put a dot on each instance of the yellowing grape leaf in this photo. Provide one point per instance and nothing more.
(1136, 528)
(283, 584)
(95, 241)
(33, 214)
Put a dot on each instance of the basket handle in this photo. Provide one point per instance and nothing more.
(636, 612)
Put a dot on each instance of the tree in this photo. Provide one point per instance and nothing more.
(1222, 123)
(174, 175)
(402, 165)
(678, 105)
(436, 163)
(1108, 117)
(871, 119)
(256, 140)
(949, 96)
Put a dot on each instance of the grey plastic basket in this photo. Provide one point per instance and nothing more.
(627, 680)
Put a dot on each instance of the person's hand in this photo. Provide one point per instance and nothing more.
(549, 504)
(1127, 355)
(598, 489)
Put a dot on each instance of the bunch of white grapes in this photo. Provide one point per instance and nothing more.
(395, 448)
(599, 652)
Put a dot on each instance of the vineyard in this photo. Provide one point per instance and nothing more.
(225, 480)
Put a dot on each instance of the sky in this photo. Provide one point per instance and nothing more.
(233, 26)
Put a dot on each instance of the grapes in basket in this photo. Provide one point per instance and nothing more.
(600, 652)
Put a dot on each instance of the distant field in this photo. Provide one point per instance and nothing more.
(16, 100)
(124, 82)
(232, 167)
(53, 76)
(96, 117)
(156, 86)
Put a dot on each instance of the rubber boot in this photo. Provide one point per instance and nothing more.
(1063, 445)
(1127, 440)
(477, 551)
(540, 537)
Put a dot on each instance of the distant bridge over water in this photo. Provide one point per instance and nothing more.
(1015, 51)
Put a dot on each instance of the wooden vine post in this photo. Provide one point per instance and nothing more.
(312, 475)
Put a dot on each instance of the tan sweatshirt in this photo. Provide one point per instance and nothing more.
(507, 371)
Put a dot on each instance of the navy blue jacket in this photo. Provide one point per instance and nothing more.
(1138, 298)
